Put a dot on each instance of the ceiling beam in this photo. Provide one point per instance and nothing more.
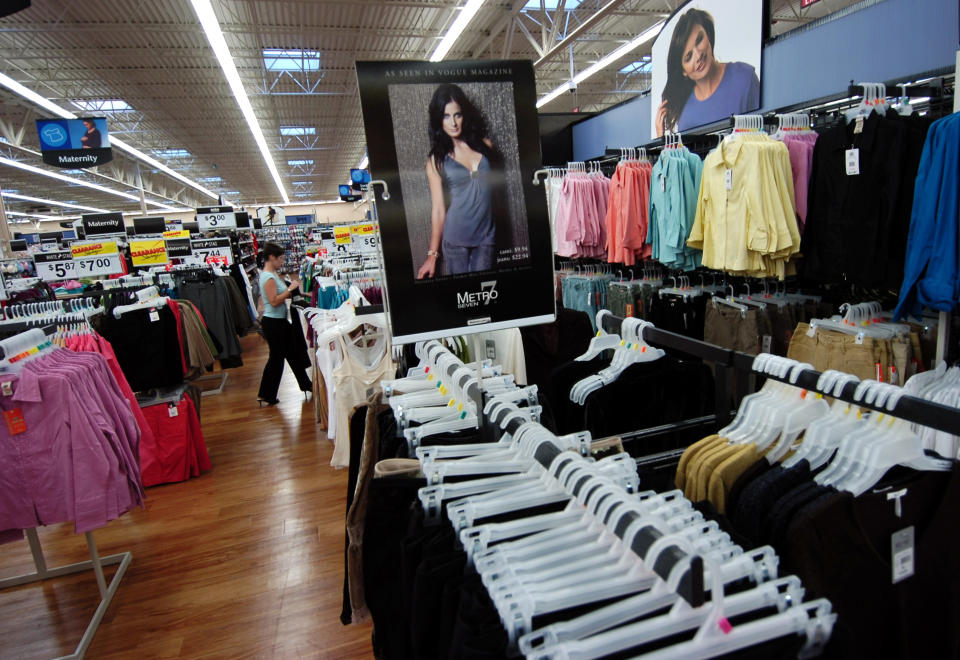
(500, 26)
(572, 36)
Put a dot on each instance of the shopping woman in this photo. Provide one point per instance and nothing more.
(277, 330)
(700, 89)
(464, 166)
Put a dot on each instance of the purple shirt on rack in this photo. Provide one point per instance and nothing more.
(72, 461)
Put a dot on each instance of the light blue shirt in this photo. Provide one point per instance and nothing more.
(674, 188)
(272, 311)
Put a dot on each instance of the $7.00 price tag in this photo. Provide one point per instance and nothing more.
(96, 258)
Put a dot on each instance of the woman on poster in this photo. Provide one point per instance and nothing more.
(464, 167)
(700, 89)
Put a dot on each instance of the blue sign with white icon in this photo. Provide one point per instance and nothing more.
(74, 143)
(54, 135)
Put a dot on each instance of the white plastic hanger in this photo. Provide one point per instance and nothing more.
(146, 298)
(23, 347)
(602, 342)
(632, 350)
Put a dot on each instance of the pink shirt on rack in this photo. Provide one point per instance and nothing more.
(70, 458)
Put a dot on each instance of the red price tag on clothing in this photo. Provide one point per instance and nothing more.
(15, 421)
(629, 310)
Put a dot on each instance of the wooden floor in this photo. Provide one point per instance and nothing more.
(245, 561)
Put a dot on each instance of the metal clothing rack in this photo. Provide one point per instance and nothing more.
(96, 562)
(912, 409)
(724, 360)
(10, 328)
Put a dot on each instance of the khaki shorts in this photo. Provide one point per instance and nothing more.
(729, 328)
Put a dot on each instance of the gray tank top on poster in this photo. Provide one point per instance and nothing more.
(469, 220)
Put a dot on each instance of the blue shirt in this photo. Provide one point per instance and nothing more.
(674, 188)
(737, 93)
(932, 272)
(272, 311)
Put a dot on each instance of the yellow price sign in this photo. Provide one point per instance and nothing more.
(152, 252)
(341, 235)
(366, 230)
(181, 233)
(93, 249)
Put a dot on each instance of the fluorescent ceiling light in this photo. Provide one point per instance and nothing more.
(7, 194)
(67, 179)
(300, 163)
(219, 46)
(466, 15)
(362, 165)
(173, 153)
(35, 215)
(52, 107)
(79, 182)
(305, 203)
(605, 61)
(211, 179)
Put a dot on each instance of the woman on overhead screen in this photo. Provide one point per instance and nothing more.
(701, 89)
(463, 168)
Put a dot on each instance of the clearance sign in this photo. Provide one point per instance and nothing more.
(148, 252)
(96, 258)
(341, 235)
(97, 249)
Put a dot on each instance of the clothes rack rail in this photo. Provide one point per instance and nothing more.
(912, 409)
(96, 562)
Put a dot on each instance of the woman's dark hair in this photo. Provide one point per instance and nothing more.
(677, 90)
(474, 125)
(270, 250)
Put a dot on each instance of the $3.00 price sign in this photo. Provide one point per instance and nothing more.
(216, 217)
(55, 266)
(96, 258)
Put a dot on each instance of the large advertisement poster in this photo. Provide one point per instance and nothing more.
(466, 239)
(706, 64)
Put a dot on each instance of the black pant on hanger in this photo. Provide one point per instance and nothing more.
(279, 336)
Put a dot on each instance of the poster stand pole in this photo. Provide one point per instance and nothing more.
(482, 425)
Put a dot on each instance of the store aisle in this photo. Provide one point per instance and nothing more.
(245, 561)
